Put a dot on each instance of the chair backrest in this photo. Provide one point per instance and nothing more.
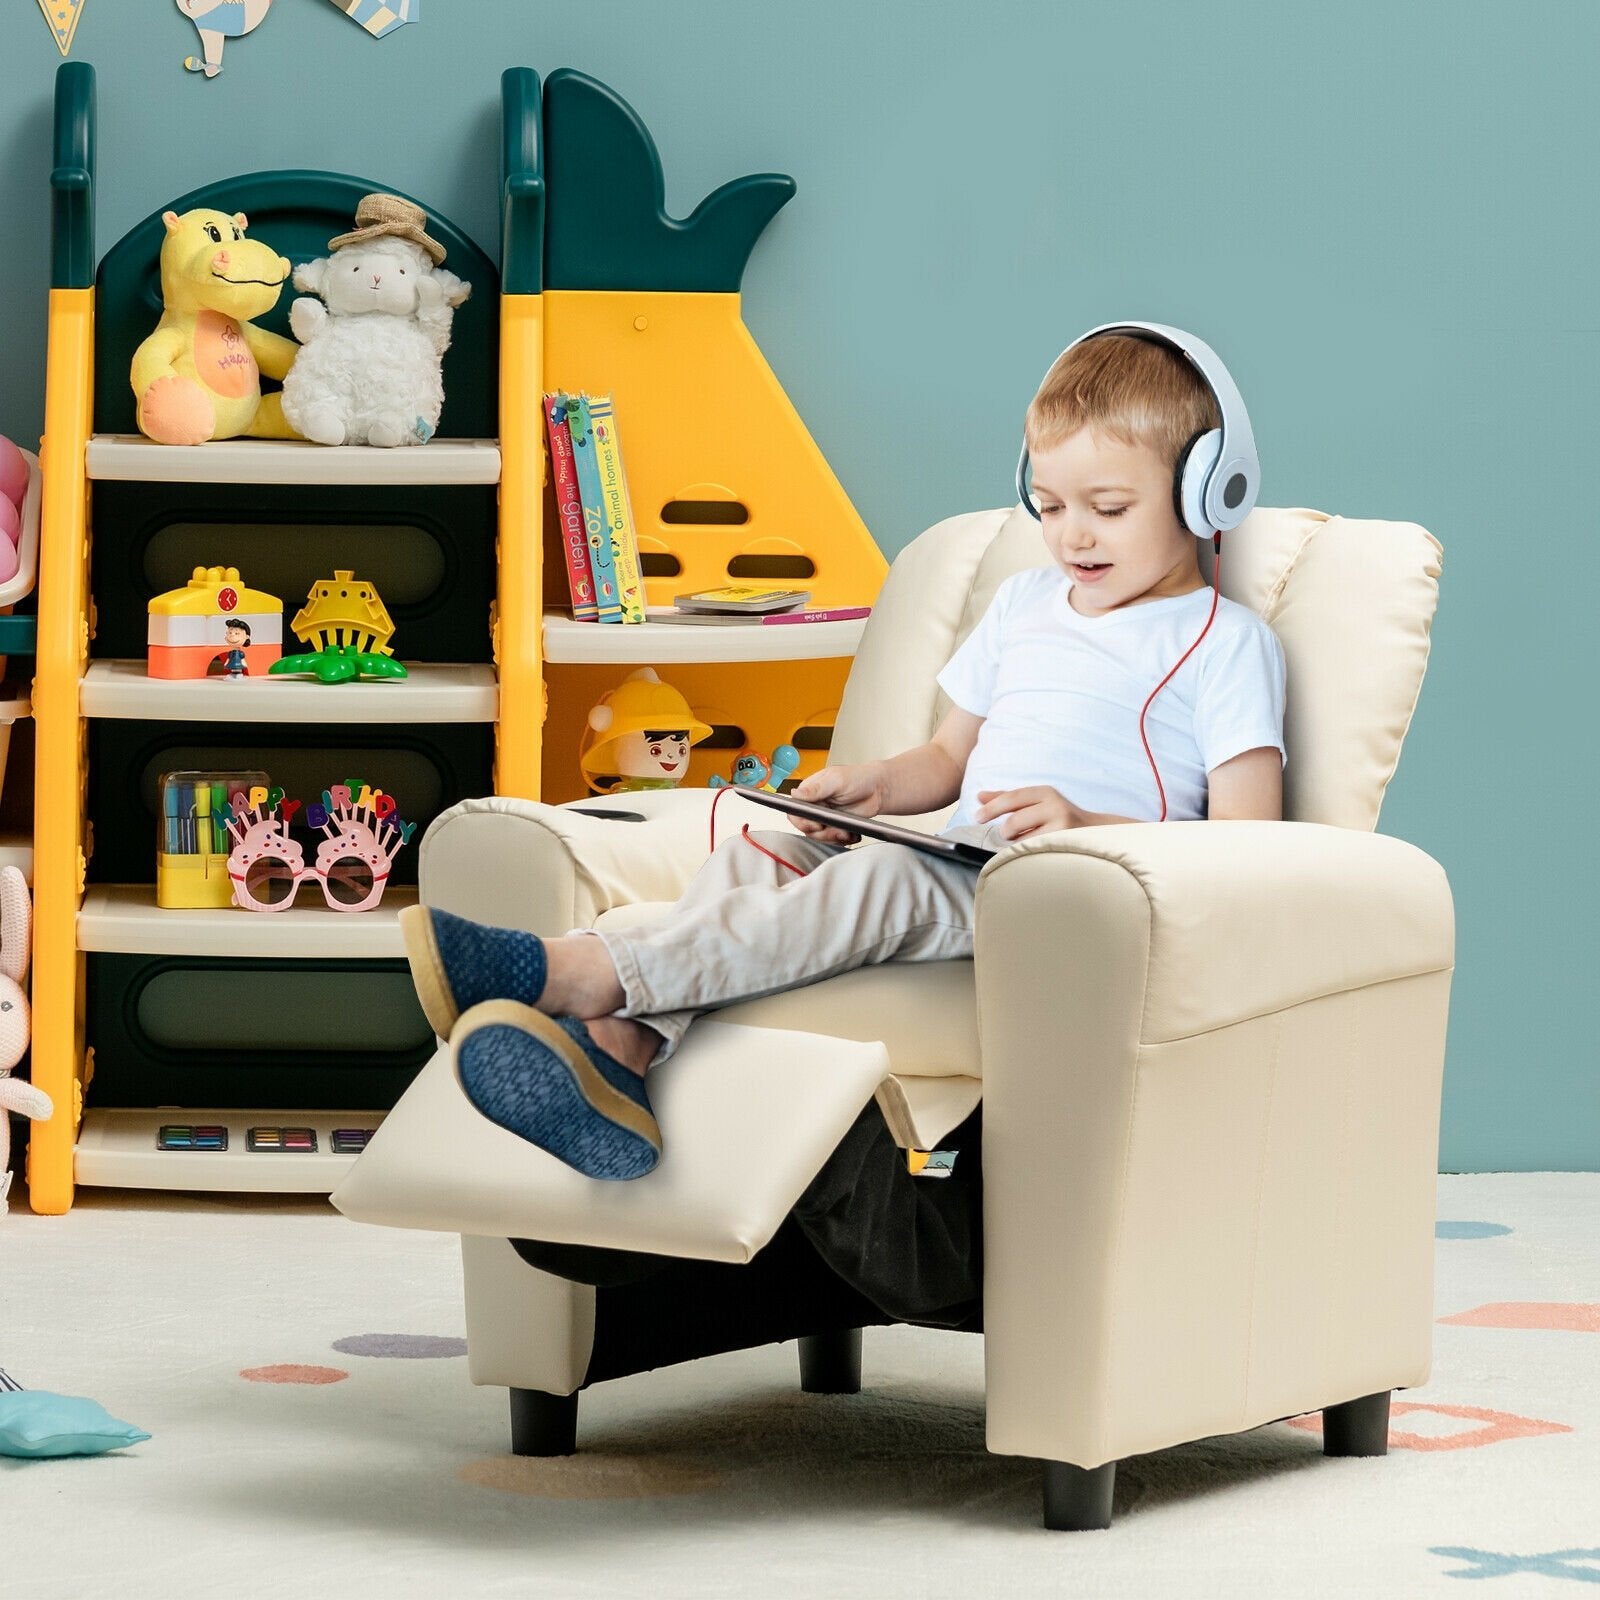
(1351, 600)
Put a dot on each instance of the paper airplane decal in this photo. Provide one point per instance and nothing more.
(62, 15)
(379, 17)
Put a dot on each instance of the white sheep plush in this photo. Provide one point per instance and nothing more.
(368, 371)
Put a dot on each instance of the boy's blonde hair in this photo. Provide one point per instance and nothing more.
(1138, 392)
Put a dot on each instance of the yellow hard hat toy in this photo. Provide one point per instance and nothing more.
(638, 736)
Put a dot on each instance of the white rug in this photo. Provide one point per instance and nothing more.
(314, 1434)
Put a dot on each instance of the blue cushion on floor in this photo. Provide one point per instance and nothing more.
(34, 1422)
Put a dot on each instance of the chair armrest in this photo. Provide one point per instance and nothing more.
(548, 869)
(1212, 1056)
(1241, 918)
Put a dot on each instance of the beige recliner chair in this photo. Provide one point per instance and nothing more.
(1209, 1055)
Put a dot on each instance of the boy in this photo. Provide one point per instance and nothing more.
(553, 1037)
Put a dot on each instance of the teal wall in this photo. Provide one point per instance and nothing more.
(1382, 216)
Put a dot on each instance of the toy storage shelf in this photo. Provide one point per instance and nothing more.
(117, 1149)
(548, 317)
(131, 458)
(662, 643)
(125, 918)
(432, 692)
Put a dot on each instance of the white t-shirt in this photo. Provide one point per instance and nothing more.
(1060, 696)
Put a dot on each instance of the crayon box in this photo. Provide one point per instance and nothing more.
(192, 842)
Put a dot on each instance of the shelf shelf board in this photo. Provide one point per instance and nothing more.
(131, 457)
(117, 1149)
(434, 692)
(124, 918)
(653, 643)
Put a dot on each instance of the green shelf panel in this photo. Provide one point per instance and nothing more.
(72, 179)
(19, 636)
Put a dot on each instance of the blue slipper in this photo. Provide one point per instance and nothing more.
(547, 1081)
(455, 964)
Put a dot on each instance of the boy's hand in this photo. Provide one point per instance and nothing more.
(860, 788)
(1038, 809)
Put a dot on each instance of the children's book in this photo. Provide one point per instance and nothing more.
(619, 512)
(607, 596)
(744, 619)
(745, 598)
(569, 509)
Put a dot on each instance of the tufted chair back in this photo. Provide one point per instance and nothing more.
(1352, 602)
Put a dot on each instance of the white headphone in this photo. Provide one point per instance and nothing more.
(1217, 476)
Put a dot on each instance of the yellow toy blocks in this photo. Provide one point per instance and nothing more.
(214, 626)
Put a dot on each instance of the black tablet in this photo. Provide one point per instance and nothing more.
(872, 827)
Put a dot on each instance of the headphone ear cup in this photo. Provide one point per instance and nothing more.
(1196, 462)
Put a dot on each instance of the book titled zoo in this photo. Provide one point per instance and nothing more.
(619, 513)
(597, 531)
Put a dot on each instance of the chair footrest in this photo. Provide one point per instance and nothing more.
(747, 1117)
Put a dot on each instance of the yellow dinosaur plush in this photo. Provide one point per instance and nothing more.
(198, 376)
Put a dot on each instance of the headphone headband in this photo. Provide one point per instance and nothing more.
(1218, 476)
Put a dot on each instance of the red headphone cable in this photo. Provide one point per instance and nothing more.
(1216, 590)
(744, 833)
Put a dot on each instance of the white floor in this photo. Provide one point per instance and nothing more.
(391, 1476)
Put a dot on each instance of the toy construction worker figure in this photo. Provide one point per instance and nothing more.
(638, 736)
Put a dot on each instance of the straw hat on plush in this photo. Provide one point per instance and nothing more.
(381, 214)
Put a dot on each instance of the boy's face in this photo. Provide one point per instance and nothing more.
(1109, 522)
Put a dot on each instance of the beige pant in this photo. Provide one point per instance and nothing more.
(747, 927)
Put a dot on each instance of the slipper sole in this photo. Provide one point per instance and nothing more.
(427, 970)
(565, 1099)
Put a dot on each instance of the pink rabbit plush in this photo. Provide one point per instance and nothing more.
(16, 926)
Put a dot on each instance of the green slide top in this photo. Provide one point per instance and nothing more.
(607, 226)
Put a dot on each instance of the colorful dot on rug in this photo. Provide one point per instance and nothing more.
(400, 1346)
(592, 1476)
(294, 1374)
(1442, 1427)
(1468, 1230)
(1561, 1316)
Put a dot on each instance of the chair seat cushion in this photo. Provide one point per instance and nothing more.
(923, 1012)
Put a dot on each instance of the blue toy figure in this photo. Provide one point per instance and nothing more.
(235, 664)
(752, 770)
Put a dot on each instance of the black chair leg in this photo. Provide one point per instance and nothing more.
(830, 1363)
(1357, 1427)
(543, 1424)
(1077, 1499)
